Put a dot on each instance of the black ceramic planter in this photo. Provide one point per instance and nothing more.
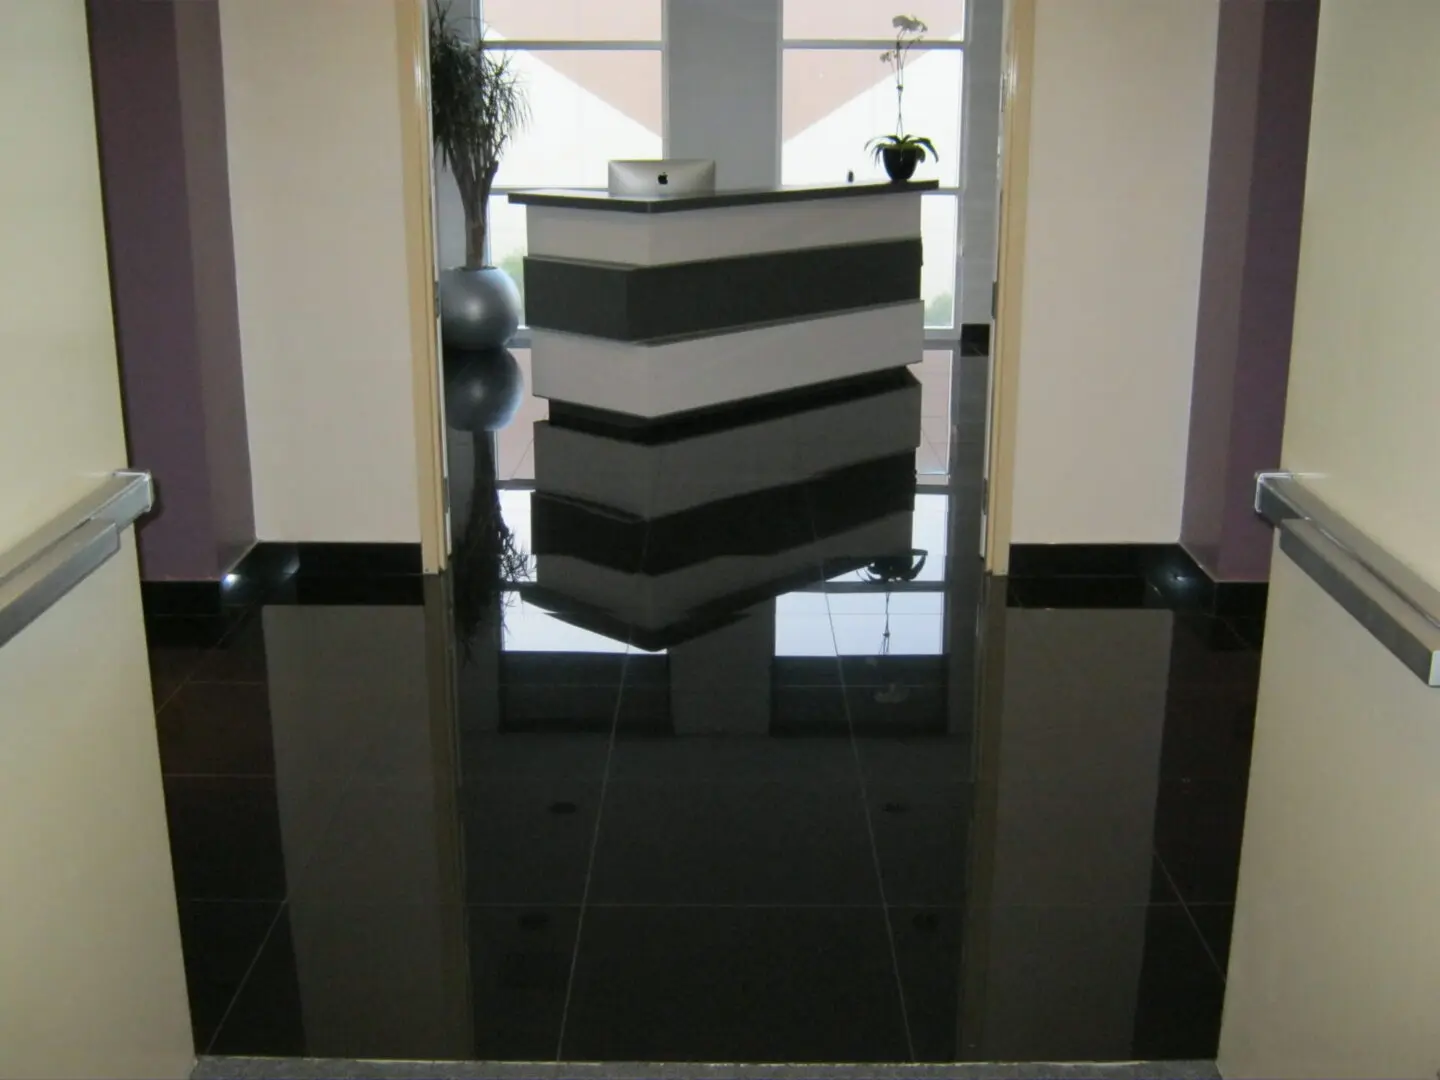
(900, 162)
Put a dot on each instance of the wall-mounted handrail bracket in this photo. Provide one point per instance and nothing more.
(1396, 605)
(47, 564)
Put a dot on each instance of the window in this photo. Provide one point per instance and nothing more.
(591, 73)
(838, 95)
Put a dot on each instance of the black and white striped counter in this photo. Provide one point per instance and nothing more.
(656, 306)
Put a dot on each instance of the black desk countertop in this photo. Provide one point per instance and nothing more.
(669, 204)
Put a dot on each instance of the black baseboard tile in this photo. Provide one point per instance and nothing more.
(384, 590)
(1241, 599)
(357, 560)
(182, 599)
(1125, 576)
(202, 612)
(256, 572)
(1086, 560)
(975, 339)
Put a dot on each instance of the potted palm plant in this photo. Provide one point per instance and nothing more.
(899, 152)
(477, 107)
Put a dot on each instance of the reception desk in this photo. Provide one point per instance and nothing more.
(652, 307)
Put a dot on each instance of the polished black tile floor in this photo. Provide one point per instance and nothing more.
(712, 747)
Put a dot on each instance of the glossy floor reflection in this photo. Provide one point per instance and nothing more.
(714, 745)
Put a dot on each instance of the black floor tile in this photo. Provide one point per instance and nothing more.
(927, 674)
(1209, 732)
(810, 711)
(520, 960)
(1207, 652)
(170, 666)
(239, 657)
(1087, 983)
(528, 836)
(1083, 592)
(898, 708)
(734, 841)
(268, 1015)
(751, 758)
(220, 939)
(930, 952)
(922, 839)
(188, 631)
(225, 838)
(1180, 993)
(735, 984)
(1198, 829)
(1216, 922)
(217, 729)
(1250, 630)
(711, 853)
(573, 708)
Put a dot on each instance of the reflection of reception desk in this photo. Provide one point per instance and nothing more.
(658, 533)
(657, 306)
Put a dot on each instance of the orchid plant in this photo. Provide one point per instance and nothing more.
(908, 32)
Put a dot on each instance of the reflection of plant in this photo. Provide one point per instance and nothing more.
(908, 31)
(486, 556)
(890, 569)
(477, 106)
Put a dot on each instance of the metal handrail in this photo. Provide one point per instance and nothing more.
(47, 564)
(1396, 605)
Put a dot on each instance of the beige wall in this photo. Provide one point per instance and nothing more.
(1119, 162)
(313, 114)
(91, 978)
(1335, 965)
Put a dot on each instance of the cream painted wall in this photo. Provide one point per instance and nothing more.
(92, 982)
(1119, 163)
(1335, 965)
(313, 117)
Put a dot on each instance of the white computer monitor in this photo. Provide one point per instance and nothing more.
(660, 177)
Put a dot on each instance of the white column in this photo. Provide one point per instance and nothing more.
(722, 87)
(979, 177)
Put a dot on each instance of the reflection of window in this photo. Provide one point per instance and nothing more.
(591, 74)
(838, 95)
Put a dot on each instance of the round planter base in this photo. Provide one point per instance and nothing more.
(483, 389)
(479, 307)
(900, 164)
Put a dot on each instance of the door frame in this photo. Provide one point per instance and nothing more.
(412, 55)
(1017, 84)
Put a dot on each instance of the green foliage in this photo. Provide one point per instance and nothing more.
(908, 32)
(940, 310)
(514, 265)
(919, 143)
(476, 108)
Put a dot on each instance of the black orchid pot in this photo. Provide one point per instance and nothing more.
(900, 161)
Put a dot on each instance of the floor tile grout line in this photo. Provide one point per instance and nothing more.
(1190, 915)
(285, 903)
(245, 979)
(870, 831)
(595, 834)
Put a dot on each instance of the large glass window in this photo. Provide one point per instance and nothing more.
(838, 94)
(591, 74)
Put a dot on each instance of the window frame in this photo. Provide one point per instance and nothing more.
(880, 44)
(522, 336)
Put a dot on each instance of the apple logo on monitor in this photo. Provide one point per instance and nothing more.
(665, 177)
